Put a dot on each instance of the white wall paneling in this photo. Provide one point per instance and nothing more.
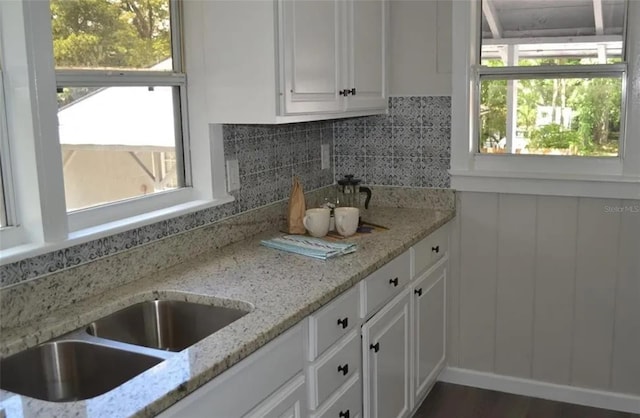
(554, 284)
(514, 290)
(547, 289)
(594, 309)
(625, 371)
(479, 239)
(453, 288)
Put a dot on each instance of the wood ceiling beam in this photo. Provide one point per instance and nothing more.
(597, 14)
(585, 31)
(491, 15)
(554, 40)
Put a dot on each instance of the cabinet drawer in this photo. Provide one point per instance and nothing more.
(384, 284)
(239, 389)
(334, 368)
(333, 322)
(431, 249)
(347, 402)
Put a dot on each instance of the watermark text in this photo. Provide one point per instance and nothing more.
(622, 209)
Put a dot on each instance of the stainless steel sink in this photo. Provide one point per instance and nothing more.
(70, 370)
(93, 360)
(164, 324)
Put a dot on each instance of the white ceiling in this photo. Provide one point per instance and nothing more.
(553, 28)
(552, 18)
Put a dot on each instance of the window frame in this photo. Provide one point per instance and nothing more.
(550, 72)
(536, 174)
(112, 211)
(43, 224)
(7, 208)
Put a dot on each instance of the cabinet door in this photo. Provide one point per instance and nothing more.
(386, 360)
(429, 328)
(366, 57)
(311, 37)
(287, 402)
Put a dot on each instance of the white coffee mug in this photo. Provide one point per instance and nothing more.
(347, 220)
(316, 221)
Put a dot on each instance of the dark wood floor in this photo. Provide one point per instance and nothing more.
(453, 401)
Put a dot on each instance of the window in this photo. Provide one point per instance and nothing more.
(120, 99)
(542, 97)
(96, 120)
(551, 77)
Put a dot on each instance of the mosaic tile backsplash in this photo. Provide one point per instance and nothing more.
(411, 146)
(268, 156)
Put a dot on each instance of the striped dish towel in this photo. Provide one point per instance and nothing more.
(311, 247)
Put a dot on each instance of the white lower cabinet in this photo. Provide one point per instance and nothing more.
(333, 364)
(428, 334)
(240, 389)
(287, 402)
(334, 368)
(333, 322)
(345, 403)
(386, 368)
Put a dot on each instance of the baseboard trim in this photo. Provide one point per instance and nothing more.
(537, 389)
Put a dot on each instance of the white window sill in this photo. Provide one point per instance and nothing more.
(549, 184)
(81, 236)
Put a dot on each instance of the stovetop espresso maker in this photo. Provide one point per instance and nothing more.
(349, 191)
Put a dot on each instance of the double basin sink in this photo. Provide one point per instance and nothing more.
(112, 350)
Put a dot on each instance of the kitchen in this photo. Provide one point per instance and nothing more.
(542, 281)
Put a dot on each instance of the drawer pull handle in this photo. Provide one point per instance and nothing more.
(418, 292)
(375, 347)
(394, 282)
(436, 249)
(343, 369)
(343, 322)
(344, 414)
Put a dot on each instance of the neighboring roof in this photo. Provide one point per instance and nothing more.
(121, 118)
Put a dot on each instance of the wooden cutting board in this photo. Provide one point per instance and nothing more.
(374, 228)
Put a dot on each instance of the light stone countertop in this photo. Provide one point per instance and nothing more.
(281, 288)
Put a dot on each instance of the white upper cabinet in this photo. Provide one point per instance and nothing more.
(312, 55)
(366, 28)
(285, 61)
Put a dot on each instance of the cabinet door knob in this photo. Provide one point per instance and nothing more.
(344, 92)
(435, 249)
(352, 91)
(394, 282)
(375, 347)
(344, 322)
(418, 292)
(344, 414)
(344, 369)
